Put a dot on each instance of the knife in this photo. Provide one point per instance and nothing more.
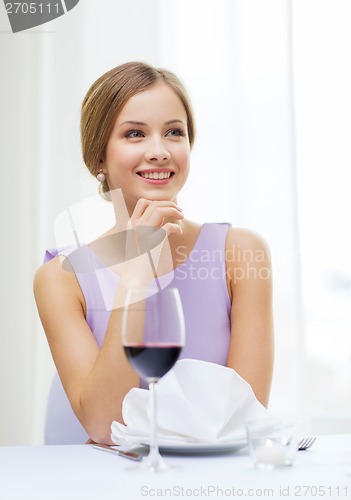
(131, 455)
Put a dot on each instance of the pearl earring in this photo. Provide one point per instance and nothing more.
(101, 176)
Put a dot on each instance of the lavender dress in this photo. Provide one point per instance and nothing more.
(201, 281)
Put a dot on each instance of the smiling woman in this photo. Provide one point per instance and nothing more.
(109, 94)
(137, 132)
(253, 104)
(143, 155)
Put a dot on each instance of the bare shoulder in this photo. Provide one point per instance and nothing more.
(248, 262)
(49, 267)
(51, 270)
(241, 239)
(54, 280)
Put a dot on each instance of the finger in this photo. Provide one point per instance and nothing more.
(172, 228)
(158, 218)
(155, 214)
(140, 208)
(145, 206)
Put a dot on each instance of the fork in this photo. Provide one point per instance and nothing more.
(306, 443)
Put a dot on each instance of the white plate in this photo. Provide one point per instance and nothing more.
(201, 448)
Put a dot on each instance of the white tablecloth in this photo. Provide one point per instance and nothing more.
(80, 472)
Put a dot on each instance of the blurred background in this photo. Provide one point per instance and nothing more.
(270, 83)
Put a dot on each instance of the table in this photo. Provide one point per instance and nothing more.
(80, 472)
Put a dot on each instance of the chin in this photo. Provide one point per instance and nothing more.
(158, 196)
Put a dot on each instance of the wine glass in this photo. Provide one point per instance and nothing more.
(153, 334)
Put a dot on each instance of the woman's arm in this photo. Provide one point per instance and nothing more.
(251, 350)
(95, 380)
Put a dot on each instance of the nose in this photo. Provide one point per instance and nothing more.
(157, 152)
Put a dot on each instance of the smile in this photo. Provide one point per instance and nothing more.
(155, 175)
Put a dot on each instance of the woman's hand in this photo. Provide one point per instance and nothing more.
(146, 245)
(155, 214)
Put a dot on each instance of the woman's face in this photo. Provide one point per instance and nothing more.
(148, 152)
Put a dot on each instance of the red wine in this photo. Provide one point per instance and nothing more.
(152, 362)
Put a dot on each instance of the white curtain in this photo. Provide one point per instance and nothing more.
(322, 77)
(235, 57)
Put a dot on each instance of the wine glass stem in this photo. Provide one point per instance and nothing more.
(154, 454)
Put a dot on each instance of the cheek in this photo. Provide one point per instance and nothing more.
(121, 156)
(183, 158)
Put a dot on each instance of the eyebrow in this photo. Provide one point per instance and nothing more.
(142, 124)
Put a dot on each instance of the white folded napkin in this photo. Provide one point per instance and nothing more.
(197, 402)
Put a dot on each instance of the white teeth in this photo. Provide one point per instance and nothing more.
(155, 175)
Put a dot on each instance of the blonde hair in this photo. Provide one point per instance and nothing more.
(106, 98)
